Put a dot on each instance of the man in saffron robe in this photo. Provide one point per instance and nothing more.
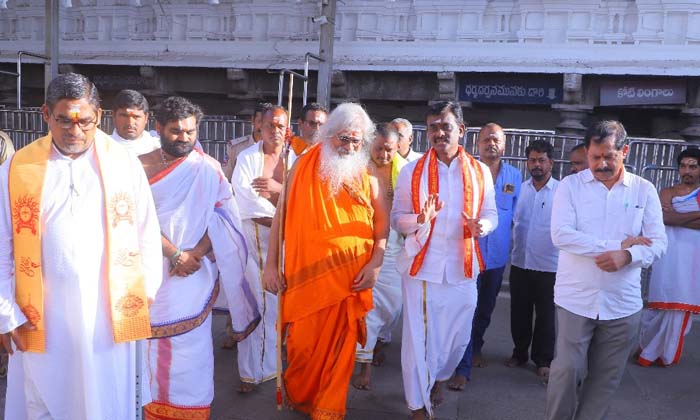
(385, 164)
(335, 227)
(444, 202)
(198, 218)
(79, 224)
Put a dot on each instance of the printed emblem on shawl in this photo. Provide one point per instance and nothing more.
(27, 266)
(26, 213)
(33, 315)
(122, 208)
(126, 258)
(129, 305)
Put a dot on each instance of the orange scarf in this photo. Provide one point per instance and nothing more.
(128, 302)
(467, 162)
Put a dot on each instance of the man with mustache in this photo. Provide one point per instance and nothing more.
(598, 217)
(444, 204)
(130, 116)
(203, 254)
(335, 226)
(534, 264)
(79, 265)
(577, 159)
(237, 145)
(385, 164)
(313, 116)
(495, 248)
(257, 184)
(673, 292)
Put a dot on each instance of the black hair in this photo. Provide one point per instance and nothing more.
(176, 108)
(128, 98)
(601, 130)
(449, 106)
(540, 146)
(312, 106)
(72, 86)
(691, 152)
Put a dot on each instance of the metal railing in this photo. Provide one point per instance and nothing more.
(654, 159)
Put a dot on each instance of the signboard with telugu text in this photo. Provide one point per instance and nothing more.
(643, 92)
(511, 89)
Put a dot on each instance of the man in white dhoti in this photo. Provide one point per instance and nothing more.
(674, 292)
(197, 214)
(257, 183)
(405, 129)
(443, 202)
(130, 116)
(385, 164)
(237, 145)
(79, 225)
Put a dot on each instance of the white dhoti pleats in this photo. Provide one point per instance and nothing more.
(661, 336)
(437, 321)
(386, 296)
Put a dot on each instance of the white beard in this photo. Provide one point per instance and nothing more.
(337, 166)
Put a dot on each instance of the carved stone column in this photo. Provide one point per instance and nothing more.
(572, 116)
(447, 86)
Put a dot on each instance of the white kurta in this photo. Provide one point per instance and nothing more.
(674, 292)
(257, 353)
(147, 142)
(439, 301)
(96, 375)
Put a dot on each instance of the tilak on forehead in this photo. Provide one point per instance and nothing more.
(74, 113)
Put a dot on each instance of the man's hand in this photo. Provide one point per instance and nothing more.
(268, 185)
(272, 282)
(187, 263)
(473, 225)
(366, 278)
(630, 241)
(13, 336)
(430, 209)
(613, 261)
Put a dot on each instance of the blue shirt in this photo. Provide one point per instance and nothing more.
(495, 247)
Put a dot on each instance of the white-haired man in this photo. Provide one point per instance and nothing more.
(405, 129)
(335, 227)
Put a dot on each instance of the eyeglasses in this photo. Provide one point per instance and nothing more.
(349, 140)
(85, 124)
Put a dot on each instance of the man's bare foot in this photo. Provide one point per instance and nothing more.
(478, 361)
(419, 414)
(543, 373)
(361, 381)
(245, 387)
(436, 395)
(514, 362)
(378, 356)
(457, 383)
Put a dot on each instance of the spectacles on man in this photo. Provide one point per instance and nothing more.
(349, 140)
(84, 124)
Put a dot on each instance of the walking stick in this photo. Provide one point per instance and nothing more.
(280, 243)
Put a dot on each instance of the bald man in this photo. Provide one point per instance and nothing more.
(495, 247)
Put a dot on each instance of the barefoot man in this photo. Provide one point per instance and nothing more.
(444, 202)
(385, 164)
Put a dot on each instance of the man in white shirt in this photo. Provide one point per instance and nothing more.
(405, 129)
(598, 219)
(130, 116)
(441, 258)
(534, 264)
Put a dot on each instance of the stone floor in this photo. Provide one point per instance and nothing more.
(495, 393)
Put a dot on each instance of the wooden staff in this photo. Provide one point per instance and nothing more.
(280, 243)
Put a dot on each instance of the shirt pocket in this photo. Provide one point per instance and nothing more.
(504, 201)
(637, 218)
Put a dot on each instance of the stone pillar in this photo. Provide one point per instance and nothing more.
(572, 118)
(240, 83)
(447, 86)
(692, 132)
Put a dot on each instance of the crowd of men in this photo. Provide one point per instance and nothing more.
(334, 236)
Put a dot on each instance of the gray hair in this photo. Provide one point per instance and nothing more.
(348, 116)
(72, 86)
(404, 122)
